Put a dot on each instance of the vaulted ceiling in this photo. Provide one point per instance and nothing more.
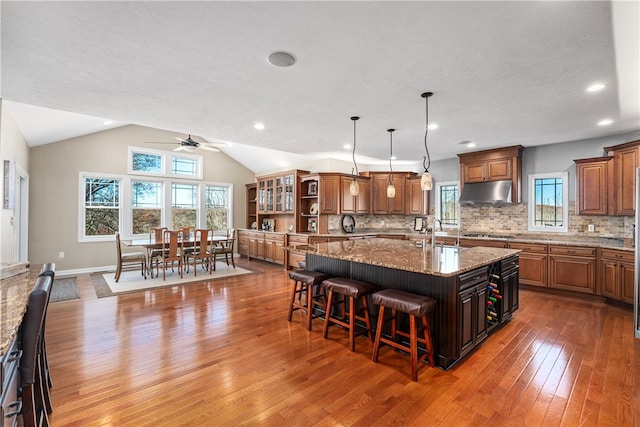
(502, 73)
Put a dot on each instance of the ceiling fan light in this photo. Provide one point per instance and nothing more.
(354, 188)
(391, 191)
(426, 182)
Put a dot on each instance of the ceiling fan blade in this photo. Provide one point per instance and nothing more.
(160, 142)
(208, 148)
(213, 144)
(180, 148)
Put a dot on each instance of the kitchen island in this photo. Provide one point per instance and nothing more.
(476, 289)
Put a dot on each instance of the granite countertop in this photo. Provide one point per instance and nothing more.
(406, 255)
(15, 284)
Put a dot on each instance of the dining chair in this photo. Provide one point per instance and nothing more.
(155, 235)
(172, 251)
(129, 259)
(201, 250)
(225, 247)
(187, 234)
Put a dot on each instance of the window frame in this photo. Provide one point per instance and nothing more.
(438, 206)
(532, 202)
(125, 218)
(167, 163)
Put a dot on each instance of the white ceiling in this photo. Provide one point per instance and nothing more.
(503, 73)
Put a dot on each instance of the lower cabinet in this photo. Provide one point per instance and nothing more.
(572, 268)
(617, 271)
(274, 248)
(472, 309)
(509, 286)
(262, 245)
(293, 257)
(533, 263)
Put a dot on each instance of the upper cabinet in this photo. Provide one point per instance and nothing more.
(350, 204)
(380, 203)
(594, 178)
(252, 208)
(276, 194)
(501, 164)
(626, 158)
(318, 198)
(417, 199)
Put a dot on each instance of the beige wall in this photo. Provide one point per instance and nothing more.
(53, 218)
(12, 147)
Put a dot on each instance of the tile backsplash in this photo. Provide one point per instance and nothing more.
(497, 219)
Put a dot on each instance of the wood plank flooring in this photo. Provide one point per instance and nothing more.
(222, 353)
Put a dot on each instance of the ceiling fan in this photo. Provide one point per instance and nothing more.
(189, 144)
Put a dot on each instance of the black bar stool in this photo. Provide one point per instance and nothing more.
(417, 307)
(354, 290)
(305, 282)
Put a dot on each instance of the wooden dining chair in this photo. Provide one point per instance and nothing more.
(129, 260)
(201, 251)
(225, 248)
(155, 235)
(172, 252)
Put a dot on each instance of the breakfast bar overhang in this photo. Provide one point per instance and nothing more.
(476, 289)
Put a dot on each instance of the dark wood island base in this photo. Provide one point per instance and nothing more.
(476, 289)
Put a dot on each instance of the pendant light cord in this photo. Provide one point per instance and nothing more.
(353, 153)
(426, 158)
(390, 154)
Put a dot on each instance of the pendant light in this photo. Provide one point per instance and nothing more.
(391, 189)
(426, 182)
(354, 188)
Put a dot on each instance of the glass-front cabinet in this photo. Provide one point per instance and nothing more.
(276, 200)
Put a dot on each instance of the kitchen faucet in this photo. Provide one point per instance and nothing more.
(433, 231)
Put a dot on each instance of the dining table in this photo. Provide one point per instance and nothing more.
(151, 243)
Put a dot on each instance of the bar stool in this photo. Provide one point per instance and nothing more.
(305, 282)
(354, 290)
(416, 306)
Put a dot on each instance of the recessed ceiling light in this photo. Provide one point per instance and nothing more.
(605, 122)
(433, 126)
(281, 59)
(394, 158)
(259, 126)
(471, 144)
(595, 87)
(347, 146)
(108, 122)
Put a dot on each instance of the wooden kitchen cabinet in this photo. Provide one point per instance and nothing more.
(533, 263)
(381, 204)
(572, 268)
(319, 197)
(626, 158)
(293, 258)
(416, 198)
(256, 244)
(243, 243)
(617, 271)
(472, 309)
(350, 204)
(274, 247)
(252, 204)
(501, 164)
(594, 177)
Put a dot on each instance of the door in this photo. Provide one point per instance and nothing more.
(20, 217)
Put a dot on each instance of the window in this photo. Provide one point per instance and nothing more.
(164, 163)
(447, 206)
(548, 202)
(101, 206)
(217, 203)
(146, 204)
(184, 205)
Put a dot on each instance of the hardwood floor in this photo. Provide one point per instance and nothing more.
(222, 353)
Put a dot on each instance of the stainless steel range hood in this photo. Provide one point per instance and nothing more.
(486, 193)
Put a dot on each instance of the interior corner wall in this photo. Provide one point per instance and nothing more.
(54, 178)
(13, 147)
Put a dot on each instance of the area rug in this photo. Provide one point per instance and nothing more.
(64, 289)
(132, 281)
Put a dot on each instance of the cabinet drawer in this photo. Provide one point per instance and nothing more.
(618, 255)
(274, 237)
(572, 250)
(529, 247)
(473, 277)
(508, 264)
(298, 240)
(256, 234)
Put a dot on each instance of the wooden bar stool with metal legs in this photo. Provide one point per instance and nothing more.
(306, 282)
(354, 291)
(417, 307)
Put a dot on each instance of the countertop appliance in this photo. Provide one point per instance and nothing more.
(636, 293)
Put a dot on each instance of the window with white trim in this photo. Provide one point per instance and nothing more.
(549, 202)
(101, 213)
(143, 161)
(184, 205)
(217, 203)
(146, 205)
(447, 206)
